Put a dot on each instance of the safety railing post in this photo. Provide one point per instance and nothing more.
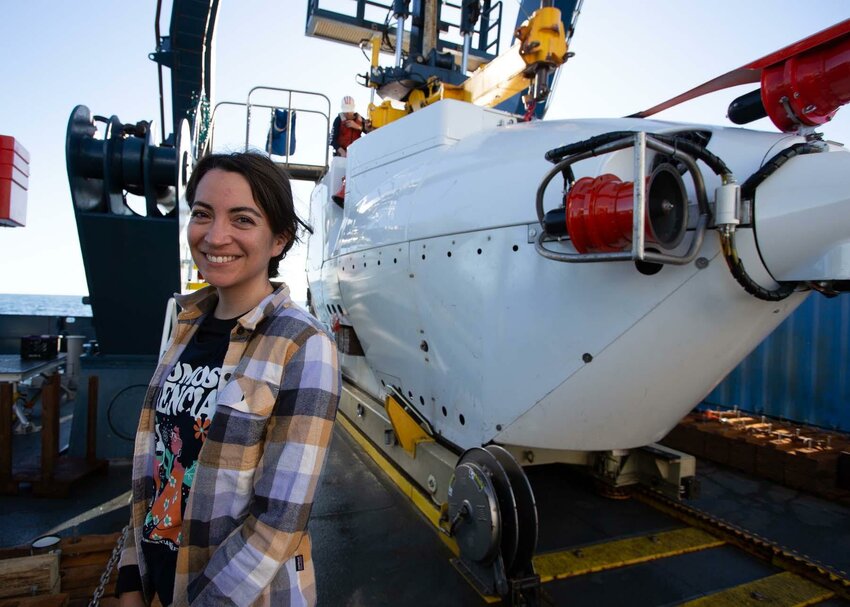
(247, 122)
(638, 215)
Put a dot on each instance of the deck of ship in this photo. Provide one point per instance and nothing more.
(372, 547)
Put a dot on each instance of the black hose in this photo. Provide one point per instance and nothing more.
(748, 189)
(109, 407)
(558, 154)
(727, 240)
(697, 151)
(736, 267)
(158, 45)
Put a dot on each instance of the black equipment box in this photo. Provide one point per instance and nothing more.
(39, 347)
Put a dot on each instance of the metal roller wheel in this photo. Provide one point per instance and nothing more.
(494, 527)
(526, 511)
(474, 512)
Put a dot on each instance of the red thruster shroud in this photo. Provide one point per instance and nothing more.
(808, 88)
(600, 211)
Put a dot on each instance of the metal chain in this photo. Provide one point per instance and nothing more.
(790, 560)
(110, 565)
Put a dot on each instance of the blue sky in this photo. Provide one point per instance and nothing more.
(629, 56)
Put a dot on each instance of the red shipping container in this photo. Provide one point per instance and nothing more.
(14, 182)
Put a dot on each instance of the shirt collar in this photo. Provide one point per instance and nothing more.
(203, 301)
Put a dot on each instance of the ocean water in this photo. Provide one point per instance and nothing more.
(57, 305)
(44, 305)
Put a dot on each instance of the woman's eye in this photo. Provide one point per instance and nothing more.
(244, 220)
(198, 214)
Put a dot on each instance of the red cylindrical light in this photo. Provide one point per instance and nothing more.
(812, 85)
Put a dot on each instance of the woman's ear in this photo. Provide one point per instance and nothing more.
(279, 243)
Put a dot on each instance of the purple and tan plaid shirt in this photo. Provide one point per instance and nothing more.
(245, 539)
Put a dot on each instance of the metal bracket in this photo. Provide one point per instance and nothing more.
(640, 141)
(666, 470)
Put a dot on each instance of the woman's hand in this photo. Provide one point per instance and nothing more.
(131, 599)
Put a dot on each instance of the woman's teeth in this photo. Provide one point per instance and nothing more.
(220, 259)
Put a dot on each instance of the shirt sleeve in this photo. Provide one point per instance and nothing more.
(296, 442)
(129, 577)
(334, 141)
(128, 551)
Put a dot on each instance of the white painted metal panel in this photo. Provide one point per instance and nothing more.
(803, 230)
(642, 383)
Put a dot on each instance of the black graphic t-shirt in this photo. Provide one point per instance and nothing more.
(184, 411)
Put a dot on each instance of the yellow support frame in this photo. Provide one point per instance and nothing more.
(542, 45)
(407, 429)
(543, 38)
(382, 115)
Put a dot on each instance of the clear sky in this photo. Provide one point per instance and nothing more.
(629, 55)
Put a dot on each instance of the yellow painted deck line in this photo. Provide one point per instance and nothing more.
(423, 503)
(620, 553)
(781, 590)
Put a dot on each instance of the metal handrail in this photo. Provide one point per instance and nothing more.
(248, 105)
(212, 122)
(444, 26)
(289, 93)
(495, 23)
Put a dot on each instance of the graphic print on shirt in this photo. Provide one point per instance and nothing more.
(183, 413)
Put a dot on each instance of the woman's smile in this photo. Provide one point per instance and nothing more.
(220, 258)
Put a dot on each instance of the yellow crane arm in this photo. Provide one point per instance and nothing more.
(541, 47)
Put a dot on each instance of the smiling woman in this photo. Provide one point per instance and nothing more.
(235, 428)
(231, 241)
(242, 223)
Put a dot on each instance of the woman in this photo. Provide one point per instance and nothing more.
(238, 416)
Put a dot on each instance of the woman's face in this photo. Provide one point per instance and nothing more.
(229, 234)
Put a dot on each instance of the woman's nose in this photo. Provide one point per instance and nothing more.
(218, 232)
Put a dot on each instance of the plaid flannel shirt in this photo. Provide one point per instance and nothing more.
(245, 539)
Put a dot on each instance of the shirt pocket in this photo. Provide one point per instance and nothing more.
(249, 396)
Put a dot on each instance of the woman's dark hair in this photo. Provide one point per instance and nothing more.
(269, 186)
